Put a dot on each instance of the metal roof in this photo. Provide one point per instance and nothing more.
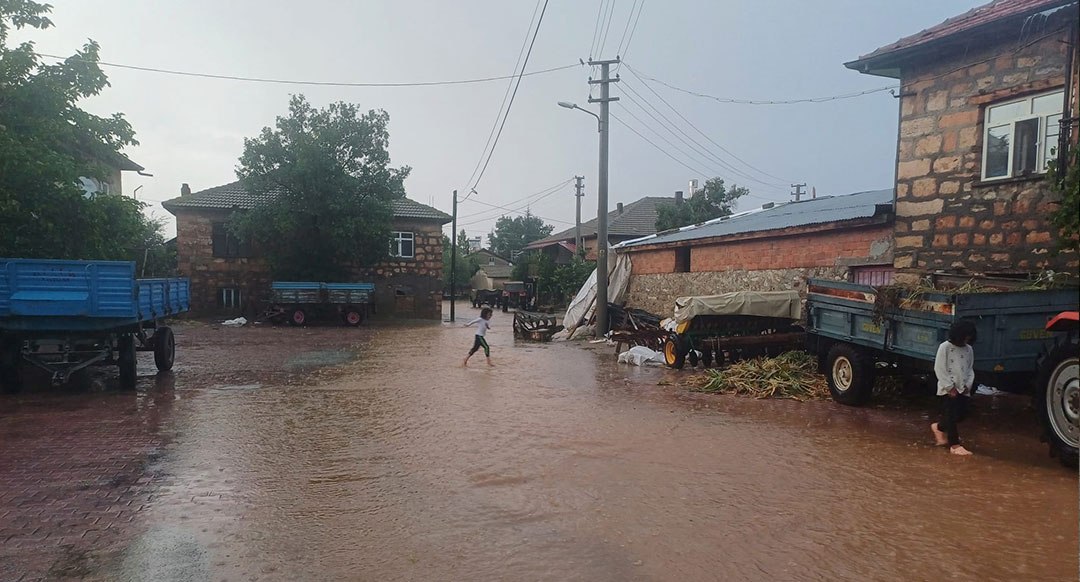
(234, 196)
(819, 210)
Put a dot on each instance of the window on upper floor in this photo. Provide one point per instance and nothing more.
(402, 245)
(227, 245)
(1021, 136)
(491, 261)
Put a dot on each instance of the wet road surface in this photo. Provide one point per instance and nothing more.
(370, 454)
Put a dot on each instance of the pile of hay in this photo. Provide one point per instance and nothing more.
(791, 375)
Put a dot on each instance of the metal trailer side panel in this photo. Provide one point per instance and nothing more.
(56, 288)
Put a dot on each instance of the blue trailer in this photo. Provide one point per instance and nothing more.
(1024, 343)
(299, 301)
(63, 316)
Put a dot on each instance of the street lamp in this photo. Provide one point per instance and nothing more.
(568, 105)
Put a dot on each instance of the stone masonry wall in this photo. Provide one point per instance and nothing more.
(946, 218)
(767, 263)
(412, 288)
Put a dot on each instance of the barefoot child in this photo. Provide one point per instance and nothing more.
(954, 368)
(483, 323)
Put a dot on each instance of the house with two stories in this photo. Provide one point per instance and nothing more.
(988, 102)
(228, 276)
(493, 272)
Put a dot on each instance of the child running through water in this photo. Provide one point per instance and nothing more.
(483, 323)
(954, 368)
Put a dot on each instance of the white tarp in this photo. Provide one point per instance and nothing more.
(239, 321)
(640, 356)
(584, 304)
(785, 304)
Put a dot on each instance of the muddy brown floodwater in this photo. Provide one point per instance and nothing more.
(371, 454)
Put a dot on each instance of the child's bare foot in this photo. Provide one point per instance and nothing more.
(939, 437)
(490, 364)
(465, 364)
(959, 450)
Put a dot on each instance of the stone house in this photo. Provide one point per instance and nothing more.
(772, 248)
(494, 270)
(988, 101)
(228, 276)
(625, 222)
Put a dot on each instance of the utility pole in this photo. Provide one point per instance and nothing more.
(798, 193)
(453, 259)
(602, 193)
(579, 187)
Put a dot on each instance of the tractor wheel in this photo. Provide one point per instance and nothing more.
(128, 360)
(850, 374)
(1059, 402)
(674, 352)
(164, 343)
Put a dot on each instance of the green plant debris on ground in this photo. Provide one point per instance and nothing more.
(791, 375)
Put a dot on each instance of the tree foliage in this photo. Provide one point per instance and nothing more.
(47, 143)
(512, 234)
(327, 190)
(466, 266)
(1066, 219)
(713, 201)
(555, 284)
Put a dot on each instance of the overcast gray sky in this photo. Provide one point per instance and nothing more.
(192, 129)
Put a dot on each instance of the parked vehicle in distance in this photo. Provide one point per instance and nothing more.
(515, 294)
(1027, 341)
(488, 297)
(63, 316)
(298, 302)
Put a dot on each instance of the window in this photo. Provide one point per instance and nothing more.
(229, 297)
(682, 260)
(873, 275)
(402, 245)
(226, 244)
(491, 261)
(1021, 136)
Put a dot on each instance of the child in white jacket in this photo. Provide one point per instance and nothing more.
(954, 368)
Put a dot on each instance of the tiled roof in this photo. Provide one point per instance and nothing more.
(883, 60)
(780, 216)
(234, 196)
(636, 219)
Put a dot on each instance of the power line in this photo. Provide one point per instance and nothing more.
(506, 95)
(626, 49)
(510, 104)
(703, 134)
(725, 164)
(643, 75)
(312, 83)
(531, 200)
(596, 28)
(526, 212)
(626, 28)
(603, 39)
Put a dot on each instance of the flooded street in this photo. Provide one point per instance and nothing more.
(371, 454)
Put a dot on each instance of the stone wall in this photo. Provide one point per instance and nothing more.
(766, 262)
(409, 288)
(946, 218)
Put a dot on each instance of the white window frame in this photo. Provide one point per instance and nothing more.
(231, 297)
(1042, 159)
(396, 238)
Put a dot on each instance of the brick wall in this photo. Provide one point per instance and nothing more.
(761, 262)
(409, 288)
(946, 219)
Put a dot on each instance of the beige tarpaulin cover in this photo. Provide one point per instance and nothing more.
(784, 304)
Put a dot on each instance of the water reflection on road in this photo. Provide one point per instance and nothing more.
(558, 464)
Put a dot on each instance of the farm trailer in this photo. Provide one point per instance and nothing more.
(1022, 335)
(298, 301)
(63, 316)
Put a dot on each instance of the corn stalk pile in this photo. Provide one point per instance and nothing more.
(791, 375)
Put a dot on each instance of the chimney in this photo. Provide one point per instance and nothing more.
(693, 188)
(678, 197)
(185, 189)
(619, 206)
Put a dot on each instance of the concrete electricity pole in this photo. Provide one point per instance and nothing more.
(579, 192)
(604, 81)
(798, 193)
(453, 259)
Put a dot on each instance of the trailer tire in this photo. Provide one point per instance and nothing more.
(128, 362)
(675, 352)
(164, 342)
(850, 374)
(297, 317)
(10, 373)
(353, 316)
(1059, 402)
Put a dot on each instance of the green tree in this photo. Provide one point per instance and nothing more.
(1066, 219)
(512, 234)
(713, 201)
(466, 265)
(328, 190)
(47, 143)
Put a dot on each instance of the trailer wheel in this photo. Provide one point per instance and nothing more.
(706, 357)
(674, 352)
(353, 316)
(10, 374)
(850, 374)
(164, 348)
(297, 317)
(128, 361)
(1059, 402)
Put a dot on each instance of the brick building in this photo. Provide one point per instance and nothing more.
(772, 248)
(227, 275)
(982, 98)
